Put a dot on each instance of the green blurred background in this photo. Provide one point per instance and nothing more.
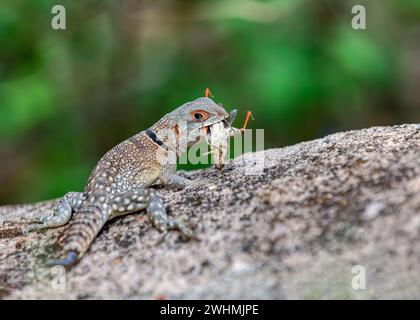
(66, 97)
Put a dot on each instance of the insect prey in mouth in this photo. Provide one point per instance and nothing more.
(217, 136)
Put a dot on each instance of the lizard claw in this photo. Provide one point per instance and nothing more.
(173, 224)
(162, 229)
(183, 229)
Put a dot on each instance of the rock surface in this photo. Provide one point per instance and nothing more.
(297, 227)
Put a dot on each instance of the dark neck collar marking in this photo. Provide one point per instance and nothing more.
(150, 133)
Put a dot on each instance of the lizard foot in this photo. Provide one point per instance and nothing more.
(57, 218)
(157, 214)
(21, 220)
(173, 224)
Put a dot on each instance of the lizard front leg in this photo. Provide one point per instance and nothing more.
(160, 219)
(138, 199)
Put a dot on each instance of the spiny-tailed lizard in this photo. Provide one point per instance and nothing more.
(120, 182)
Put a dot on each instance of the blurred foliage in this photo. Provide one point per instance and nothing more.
(66, 97)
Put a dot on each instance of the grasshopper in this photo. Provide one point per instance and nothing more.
(218, 135)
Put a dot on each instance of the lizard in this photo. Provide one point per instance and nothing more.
(121, 180)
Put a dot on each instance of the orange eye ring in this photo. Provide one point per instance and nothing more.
(199, 115)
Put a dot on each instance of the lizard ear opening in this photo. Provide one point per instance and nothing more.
(199, 115)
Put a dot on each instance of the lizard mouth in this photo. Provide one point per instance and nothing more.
(207, 128)
(207, 132)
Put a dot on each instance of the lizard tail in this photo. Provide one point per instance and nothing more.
(83, 228)
(69, 260)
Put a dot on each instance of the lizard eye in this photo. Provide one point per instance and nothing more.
(199, 115)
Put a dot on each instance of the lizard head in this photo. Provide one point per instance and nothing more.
(199, 115)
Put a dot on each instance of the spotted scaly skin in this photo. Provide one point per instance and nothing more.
(120, 182)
